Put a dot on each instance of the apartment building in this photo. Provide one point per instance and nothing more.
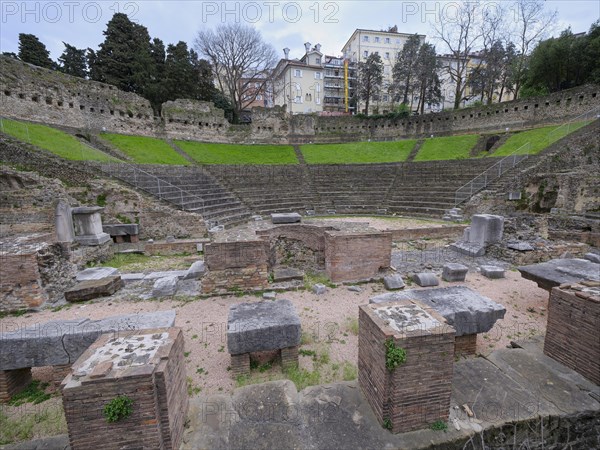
(388, 44)
(339, 83)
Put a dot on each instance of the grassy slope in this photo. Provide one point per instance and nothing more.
(53, 140)
(540, 138)
(207, 153)
(444, 148)
(145, 150)
(358, 152)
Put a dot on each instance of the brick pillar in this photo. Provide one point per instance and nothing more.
(289, 357)
(572, 328)
(13, 381)
(465, 345)
(416, 393)
(240, 364)
(146, 366)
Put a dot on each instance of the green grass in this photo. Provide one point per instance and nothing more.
(34, 393)
(358, 152)
(146, 150)
(539, 138)
(444, 148)
(133, 262)
(52, 140)
(207, 153)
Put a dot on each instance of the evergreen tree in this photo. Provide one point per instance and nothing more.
(124, 58)
(426, 76)
(370, 78)
(73, 61)
(32, 51)
(403, 72)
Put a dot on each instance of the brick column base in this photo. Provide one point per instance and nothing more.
(13, 381)
(465, 345)
(240, 364)
(289, 357)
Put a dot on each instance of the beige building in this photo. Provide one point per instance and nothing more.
(388, 44)
(299, 83)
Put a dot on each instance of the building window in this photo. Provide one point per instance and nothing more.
(397, 41)
(376, 38)
(387, 55)
(366, 53)
(309, 97)
(365, 38)
(386, 98)
(317, 75)
(318, 61)
(298, 99)
(387, 40)
(298, 73)
(259, 97)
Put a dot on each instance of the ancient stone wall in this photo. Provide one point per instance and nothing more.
(20, 282)
(41, 95)
(32, 93)
(354, 257)
(235, 266)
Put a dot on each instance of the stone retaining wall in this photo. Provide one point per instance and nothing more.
(41, 95)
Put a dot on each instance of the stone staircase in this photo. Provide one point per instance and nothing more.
(188, 188)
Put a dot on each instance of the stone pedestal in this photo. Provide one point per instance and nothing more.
(145, 366)
(13, 381)
(64, 222)
(572, 329)
(262, 326)
(416, 393)
(88, 225)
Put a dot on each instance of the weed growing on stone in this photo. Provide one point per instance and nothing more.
(439, 425)
(118, 408)
(394, 356)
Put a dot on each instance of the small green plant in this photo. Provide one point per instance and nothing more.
(34, 393)
(101, 200)
(439, 425)
(394, 356)
(118, 408)
(303, 352)
(387, 424)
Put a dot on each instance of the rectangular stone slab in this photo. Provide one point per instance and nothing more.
(87, 290)
(558, 271)
(466, 310)
(286, 218)
(63, 341)
(255, 327)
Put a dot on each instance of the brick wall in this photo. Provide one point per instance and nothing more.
(572, 330)
(235, 266)
(465, 345)
(173, 248)
(20, 282)
(157, 389)
(13, 382)
(353, 257)
(417, 393)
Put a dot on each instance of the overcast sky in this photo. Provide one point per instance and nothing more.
(282, 23)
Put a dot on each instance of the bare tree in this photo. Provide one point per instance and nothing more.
(241, 62)
(460, 35)
(533, 22)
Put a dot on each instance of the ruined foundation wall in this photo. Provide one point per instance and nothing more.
(32, 93)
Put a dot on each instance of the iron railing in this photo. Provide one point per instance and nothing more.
(507, 163)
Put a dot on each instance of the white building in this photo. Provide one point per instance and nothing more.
(388, 44)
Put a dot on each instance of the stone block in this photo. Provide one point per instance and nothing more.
(454, 272)
(559, 271)
(466, 234)
(96, 273)
(269, 295)
(486, 229)
(87, 225)
(165, 287)
(468, 248)
(514, 195)
(64, 222)
(426, 279)
(63, 341)
(393, 282)
(261, 326)
(319, 289)
(354, 289)
(593, 257)
(281, 274)
(121, 229)
(196, 270)
(492, 272)
(520, 246)
(285, 218)
(90, 289)
(466, 310)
